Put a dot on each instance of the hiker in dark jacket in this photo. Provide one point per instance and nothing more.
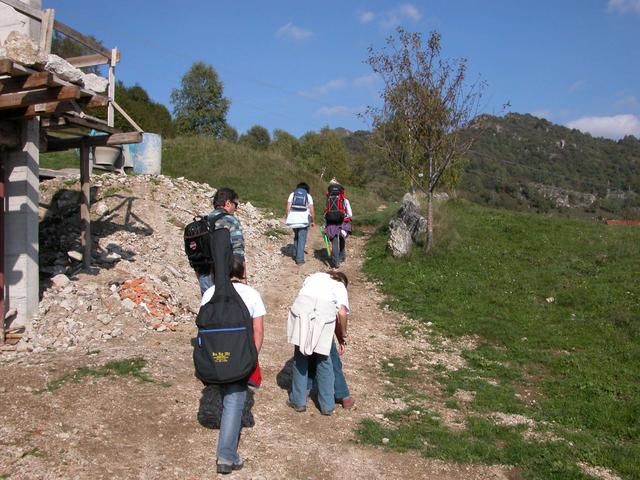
(225, 202)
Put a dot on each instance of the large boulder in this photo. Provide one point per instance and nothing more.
(407, 227)
(19, 47)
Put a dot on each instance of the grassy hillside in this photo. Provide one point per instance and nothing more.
(264, 178)
(556, 305)
(526, 163)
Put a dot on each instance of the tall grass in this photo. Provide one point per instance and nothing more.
(265, 178)
(556, 304)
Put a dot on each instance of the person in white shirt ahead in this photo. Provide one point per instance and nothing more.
(319, 311)
(299, 216)
(234, 394)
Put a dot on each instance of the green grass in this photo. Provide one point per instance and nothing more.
(556, 305)
(277, 232)
(130, 367)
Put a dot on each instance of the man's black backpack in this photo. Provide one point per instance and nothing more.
(335, 210)
(197, 242)
(224, 350)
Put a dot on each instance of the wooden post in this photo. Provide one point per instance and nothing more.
(2, 309)
(112, 86)
(85, 205)
(46, 32)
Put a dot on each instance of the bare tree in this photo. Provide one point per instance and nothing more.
(426, 106)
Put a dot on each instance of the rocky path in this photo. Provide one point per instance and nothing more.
(97, 426)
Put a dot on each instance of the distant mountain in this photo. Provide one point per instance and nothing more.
(526, 163)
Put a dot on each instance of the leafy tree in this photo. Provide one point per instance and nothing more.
(324, 153)
(257, 137)
(229, 134)
(150, 115)
(426, 104)
(284, 143)
(198, 105)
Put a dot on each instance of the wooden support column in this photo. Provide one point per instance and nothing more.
(2, 204)
(85, 204)
(112, 86)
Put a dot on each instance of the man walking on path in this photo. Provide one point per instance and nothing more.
(337, 217)
(225, 204)
(300, 214)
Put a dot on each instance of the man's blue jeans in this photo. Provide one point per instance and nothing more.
(341, 389)
(324, 378)
(233, 398)
(205, 282)
(299, 241)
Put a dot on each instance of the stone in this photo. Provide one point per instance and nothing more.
(407, 227)
(128, 304)
(60, 280)
(74, 255)
(104, 318)
(94, 82)
(20, 47)
(63, 69)
(101, 208)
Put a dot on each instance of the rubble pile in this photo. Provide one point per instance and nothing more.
(140, 281)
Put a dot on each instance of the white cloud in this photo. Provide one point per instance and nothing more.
(393, 18)
(366, 80)
(610, 127)
(366, 17)
(321, 90)
(628, 101)
(295, 33)
(337, 111)
(624, 6)
(577, 86)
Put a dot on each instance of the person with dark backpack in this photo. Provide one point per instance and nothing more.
(299, 215)
(337, 217)
(230, 335)
(196, 235)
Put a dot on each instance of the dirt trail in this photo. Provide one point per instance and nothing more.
(123, 428)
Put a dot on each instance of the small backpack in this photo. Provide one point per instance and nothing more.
(299, 200)
(197, 242)
(224, 350)
(335, 210)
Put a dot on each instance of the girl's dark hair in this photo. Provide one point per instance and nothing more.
(303, 185)
(237, 268)
(339, 277)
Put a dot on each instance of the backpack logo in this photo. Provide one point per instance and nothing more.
(220, 357)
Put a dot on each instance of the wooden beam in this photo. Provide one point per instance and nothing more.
(31, 97)
(53, 122)
(6, 66)
(85, 205)
(127, 117)
(49, 108)
(80, 38)
(88, 60)
(46, 31)
(56, 145)
(96, 124)
(28, 82)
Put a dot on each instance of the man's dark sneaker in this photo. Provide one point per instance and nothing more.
(347, 403)
(297, 408)
(225, 468)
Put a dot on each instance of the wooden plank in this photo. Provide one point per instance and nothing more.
(53, 122)
(88, 60)
(80, 38)
(6, 66)
(93, 123)
(127, 117)
(25, 9)
(46, 31)
(56, 145)
(50, 108)
(28, 82)
(31, 97)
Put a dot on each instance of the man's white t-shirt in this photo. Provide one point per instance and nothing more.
(321, 285)
(299, 218)
(250, 296)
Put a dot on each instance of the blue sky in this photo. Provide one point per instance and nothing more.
(299, 65)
